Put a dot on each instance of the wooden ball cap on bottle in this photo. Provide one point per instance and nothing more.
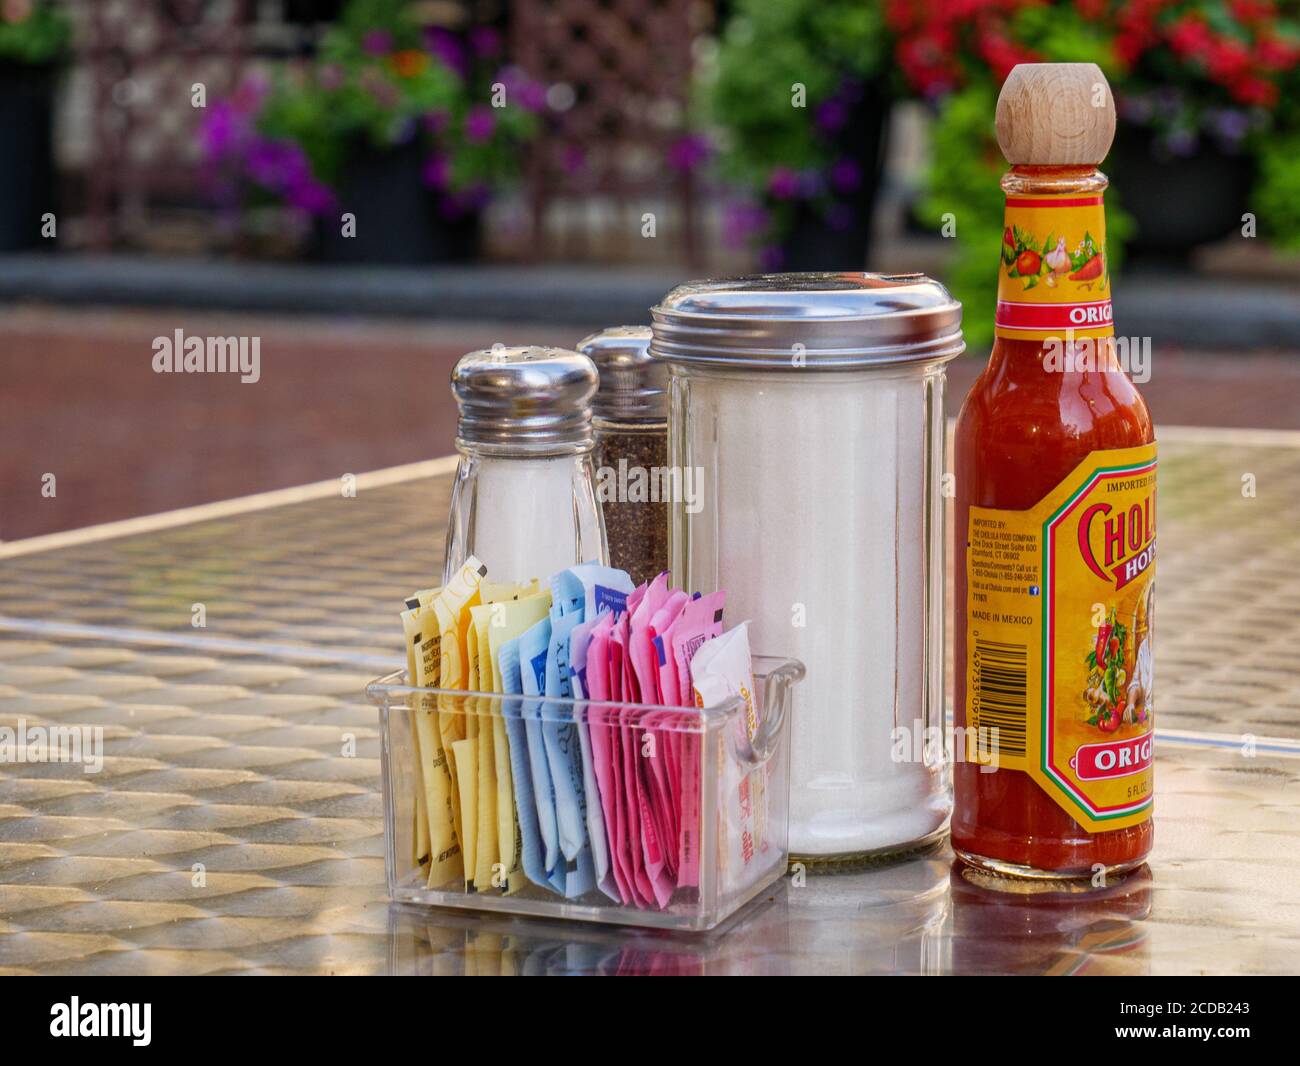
(1055, 114)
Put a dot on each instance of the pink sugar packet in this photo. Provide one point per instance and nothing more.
(604, 757)
(629, 743)
(700, 620)
(660, 626)
(666, 681)
(658, 818)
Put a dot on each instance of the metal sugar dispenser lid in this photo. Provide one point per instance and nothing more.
(633, 383)
(821, 321)
(526, 400)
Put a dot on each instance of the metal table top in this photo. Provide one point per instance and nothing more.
(235, 825)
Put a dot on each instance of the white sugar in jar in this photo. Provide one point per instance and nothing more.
(812, 407)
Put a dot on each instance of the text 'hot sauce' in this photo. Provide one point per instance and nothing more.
(1056, 520)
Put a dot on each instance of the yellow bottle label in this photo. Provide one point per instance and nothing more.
(1059, 648)
(1054, 277)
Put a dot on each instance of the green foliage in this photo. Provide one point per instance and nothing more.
(39, 38)
(768, 48)
(1276, 195)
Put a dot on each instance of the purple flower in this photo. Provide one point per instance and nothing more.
(831, 116)
(437, 171)
(522, 90)
(845, 175)
(310, 196)
(742, 220)
(1228, 125)
(377, 42)
(573, 159)
(689, 152)
(485, 41)
(1180, 142)
(446, 47)
(783, 183)
(811, 184)
(480, 124)
(224, 130)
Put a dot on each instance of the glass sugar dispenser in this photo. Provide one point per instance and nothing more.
(524, 496)
(630, 424)
(809, 408)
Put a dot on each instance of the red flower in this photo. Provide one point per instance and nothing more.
(1189, 36)
(1251, 10)
(1273, 53)
(1226, 60)
(1254, 91)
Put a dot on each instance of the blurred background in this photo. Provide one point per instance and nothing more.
(373, 187)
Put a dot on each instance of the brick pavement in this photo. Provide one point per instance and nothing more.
(79, 399)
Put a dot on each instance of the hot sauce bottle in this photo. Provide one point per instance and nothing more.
(1055, 523)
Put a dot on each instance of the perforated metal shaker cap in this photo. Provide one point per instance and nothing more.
(827, 321)
(530, 398)
(633, 383)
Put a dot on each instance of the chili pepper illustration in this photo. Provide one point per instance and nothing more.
(1103, 641)
(1090, 271)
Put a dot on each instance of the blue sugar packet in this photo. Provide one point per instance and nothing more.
(532, 674)
(568, 595)
(563, 754)
(511, 684)
(604, 588)
(565, 762)
(579, 639)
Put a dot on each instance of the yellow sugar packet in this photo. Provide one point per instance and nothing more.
(488, 855)
(420, 831)
(451, 609)
(507, 621)
(477, 750)
(445, 859)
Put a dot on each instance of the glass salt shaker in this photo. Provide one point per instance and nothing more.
(630, 422)
(524, 498)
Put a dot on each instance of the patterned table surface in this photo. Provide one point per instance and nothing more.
(235, 825)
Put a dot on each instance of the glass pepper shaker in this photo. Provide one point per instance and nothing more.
(630, 421)
(524, 497)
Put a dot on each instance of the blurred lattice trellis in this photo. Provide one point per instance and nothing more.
(617, 71)
(128, 145)
(619, 75)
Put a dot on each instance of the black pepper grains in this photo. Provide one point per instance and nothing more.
(630, 464)
(630, 424)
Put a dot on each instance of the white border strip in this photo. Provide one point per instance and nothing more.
(225, 508)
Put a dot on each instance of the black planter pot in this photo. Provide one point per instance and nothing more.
(27, 186)
(398, 219)
(1177, 204)
(813, 243)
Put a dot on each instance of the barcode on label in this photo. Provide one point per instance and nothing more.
(999, 702)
